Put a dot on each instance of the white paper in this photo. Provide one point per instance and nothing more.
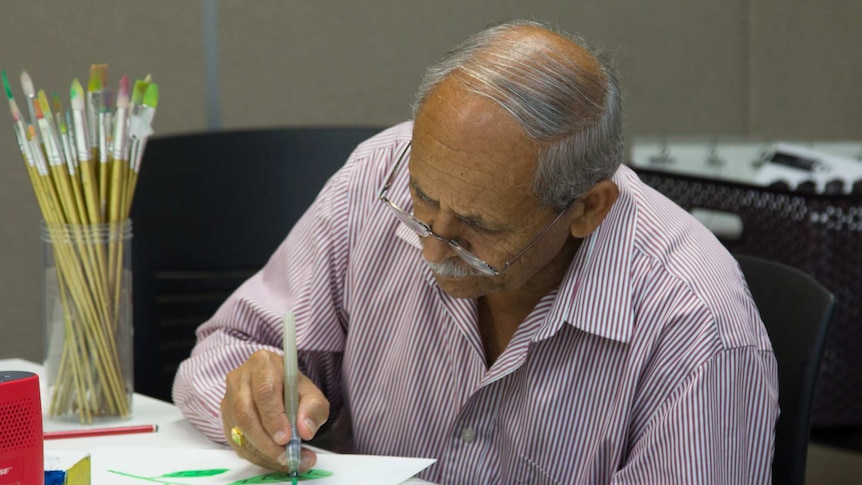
(121, 466)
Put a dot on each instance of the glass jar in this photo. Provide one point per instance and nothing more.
(87, 314)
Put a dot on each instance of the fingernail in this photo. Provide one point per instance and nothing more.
(306, 462)
(279, 437)
(282, 459)
(311, 425)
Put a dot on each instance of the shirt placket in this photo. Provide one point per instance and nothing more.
(469, 455)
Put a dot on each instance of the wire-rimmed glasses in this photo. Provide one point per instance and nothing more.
(424, 230)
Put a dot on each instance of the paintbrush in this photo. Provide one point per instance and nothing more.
(30, 94)
(65, 140)
(135, 109)
(18, 121)
(98, 134)
(84, 151)
(140, 128)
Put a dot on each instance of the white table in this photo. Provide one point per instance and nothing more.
(174, 430)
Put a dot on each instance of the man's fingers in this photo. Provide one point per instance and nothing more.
(313, 408)
(246, 385)
(308, 459)
(267, 389)
(253, 409)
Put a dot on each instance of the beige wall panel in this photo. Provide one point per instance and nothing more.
(332, 62)
(806, 69)
(55, 42)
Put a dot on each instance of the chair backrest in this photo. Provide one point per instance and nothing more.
(209, 210)
(820, 234)
(796, 311)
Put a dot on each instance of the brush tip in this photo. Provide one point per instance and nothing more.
(139, 90)
(6, 85)
(123, 93)
(151, 97)
(44, 105)
(38, 109)
(98, 75)
(16, 113)
(27, 84)
(76, 95)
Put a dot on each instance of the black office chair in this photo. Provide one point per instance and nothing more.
(797, 311)
(209, 210)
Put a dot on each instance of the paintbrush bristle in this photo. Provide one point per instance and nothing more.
(16, 113)
(98, 75)
(151, 97)
(27, 85)
(37, 109)
(76, 95)
(6, 85)
(44, 105)
(139, 91)
(123, 93)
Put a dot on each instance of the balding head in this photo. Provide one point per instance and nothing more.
(563, 94)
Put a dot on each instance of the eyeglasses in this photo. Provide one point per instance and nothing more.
(424, 230)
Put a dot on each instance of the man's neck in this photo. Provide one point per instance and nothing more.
(501, 313)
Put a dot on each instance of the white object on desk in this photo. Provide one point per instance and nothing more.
(112, 465)
(174, 430)
(750, 162)
(826, 168)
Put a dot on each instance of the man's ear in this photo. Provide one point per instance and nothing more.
(593, 208)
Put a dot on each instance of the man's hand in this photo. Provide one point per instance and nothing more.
(254, 404)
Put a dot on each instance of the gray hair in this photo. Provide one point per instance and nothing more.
(574, 116)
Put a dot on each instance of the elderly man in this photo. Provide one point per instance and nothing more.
(488, 286)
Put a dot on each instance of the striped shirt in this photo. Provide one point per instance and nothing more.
(647, 364)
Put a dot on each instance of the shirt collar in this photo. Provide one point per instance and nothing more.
(595, 294)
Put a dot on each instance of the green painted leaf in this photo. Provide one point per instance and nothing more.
(280, 477)
(314, 474)
(196, 473)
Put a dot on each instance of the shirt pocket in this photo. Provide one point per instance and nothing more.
(525, 471)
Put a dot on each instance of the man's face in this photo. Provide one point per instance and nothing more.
(471, 171)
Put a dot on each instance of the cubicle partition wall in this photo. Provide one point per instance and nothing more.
(817, 233)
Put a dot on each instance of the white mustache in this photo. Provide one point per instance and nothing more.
(452, 268)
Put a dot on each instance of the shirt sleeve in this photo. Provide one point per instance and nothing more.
(306, 275)
(717, 427)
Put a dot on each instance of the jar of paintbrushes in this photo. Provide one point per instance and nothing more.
(83, 164)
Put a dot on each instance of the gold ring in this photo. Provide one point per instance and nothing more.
(237, 436)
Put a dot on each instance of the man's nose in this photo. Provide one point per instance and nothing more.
(434, 249)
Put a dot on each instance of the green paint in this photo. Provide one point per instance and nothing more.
(280, 477)
(271, 477)
(6, 84)
(138, 92)
(151, 97)
(197, 473)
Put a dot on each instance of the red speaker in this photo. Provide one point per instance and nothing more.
(21, 449)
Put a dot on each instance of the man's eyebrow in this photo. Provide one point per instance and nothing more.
(420, 192)
(473, 220)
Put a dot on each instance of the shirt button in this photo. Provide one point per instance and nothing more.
(468, 435)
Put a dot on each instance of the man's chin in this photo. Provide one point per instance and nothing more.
(460, 286)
